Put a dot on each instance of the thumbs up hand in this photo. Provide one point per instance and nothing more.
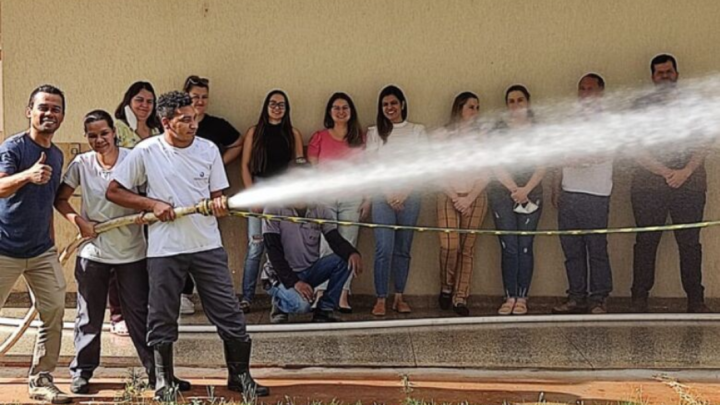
(40, 173)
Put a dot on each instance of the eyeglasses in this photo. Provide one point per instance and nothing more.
(197, 80)
(276, 106)
(341, 108)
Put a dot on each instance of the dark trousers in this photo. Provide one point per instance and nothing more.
(114, 300)
(93, 281)
(210, 272)
(585, 211)
(517, 260)
(651, 208)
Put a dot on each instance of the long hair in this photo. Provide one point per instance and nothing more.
(152, 122)
(457, 107)
(384, 125)
(354, 133)
(258, 153)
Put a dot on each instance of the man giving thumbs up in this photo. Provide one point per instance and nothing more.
(30, 168)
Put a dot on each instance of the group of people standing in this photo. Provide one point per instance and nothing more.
(160, 153)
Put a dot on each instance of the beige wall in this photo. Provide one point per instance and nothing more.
(433, 49)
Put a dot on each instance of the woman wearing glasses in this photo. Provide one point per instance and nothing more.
(516, 202)
(341, 140)
(268, 149)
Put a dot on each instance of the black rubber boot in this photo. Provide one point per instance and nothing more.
(166, 385)
(237, 356)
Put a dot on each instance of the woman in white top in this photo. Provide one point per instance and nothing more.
(397, 206)
(120, 251)
(462, 204)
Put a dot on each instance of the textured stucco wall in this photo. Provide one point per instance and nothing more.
(433, 49)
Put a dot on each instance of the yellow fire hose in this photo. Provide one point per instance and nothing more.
(204, 208)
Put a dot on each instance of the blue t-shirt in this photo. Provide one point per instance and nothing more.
(25, 216)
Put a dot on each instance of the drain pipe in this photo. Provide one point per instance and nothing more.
(510, 321)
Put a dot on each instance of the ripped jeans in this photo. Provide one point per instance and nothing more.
(517, 251)
(253, 258)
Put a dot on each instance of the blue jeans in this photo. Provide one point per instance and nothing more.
(332, 269)
(585, 211)
(253, 257)
(343, 211)
(392, 248)
(517, 251)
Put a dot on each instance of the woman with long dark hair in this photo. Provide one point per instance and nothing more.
(342, 139)
(399, 207)
(461, 205)
(516, 203)
(136, 118)
(269, 148)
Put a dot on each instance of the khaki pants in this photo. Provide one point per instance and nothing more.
(45, 277)
(458, 250)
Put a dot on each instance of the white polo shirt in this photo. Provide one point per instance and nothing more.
(180, 177)
(116, 246)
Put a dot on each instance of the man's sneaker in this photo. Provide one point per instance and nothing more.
(187, 307)
(119, 329)
(698, 308)
(639, 305)
(41, 388)
(79, 385)
(323, 316)
(570, 306)
(245, 306)
(598, 308)
(277, 316)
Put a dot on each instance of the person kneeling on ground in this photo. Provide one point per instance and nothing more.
(294, 266)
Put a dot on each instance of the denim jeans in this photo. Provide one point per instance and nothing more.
(517, 251)
(585, 211)
(343, 211)
(392, 248)
(254, 254)
(253, 257)
(332, 269)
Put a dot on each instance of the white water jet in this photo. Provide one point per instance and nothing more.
(689, 118)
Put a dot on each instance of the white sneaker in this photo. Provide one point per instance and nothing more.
(187, 307)
(42, 388)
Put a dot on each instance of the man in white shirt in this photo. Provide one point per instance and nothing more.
(179, 170)
(584, 203)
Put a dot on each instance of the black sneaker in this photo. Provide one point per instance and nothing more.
(445, 300)
(321, 316)
(79, 385)
(42, 388)
(461, 309)
(639, 305)
(570, 306)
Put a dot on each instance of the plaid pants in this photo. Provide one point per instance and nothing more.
(457, 250)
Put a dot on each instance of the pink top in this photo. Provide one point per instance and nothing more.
(326, 148)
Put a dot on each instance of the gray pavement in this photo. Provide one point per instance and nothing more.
(583, 346)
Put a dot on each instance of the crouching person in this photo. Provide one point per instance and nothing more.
(181, 170)
(294, 266)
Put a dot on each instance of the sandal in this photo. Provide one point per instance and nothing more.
(520, 307)
(119, 329)
(507, 307)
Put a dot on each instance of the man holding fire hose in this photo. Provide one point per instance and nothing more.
(179, 169)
